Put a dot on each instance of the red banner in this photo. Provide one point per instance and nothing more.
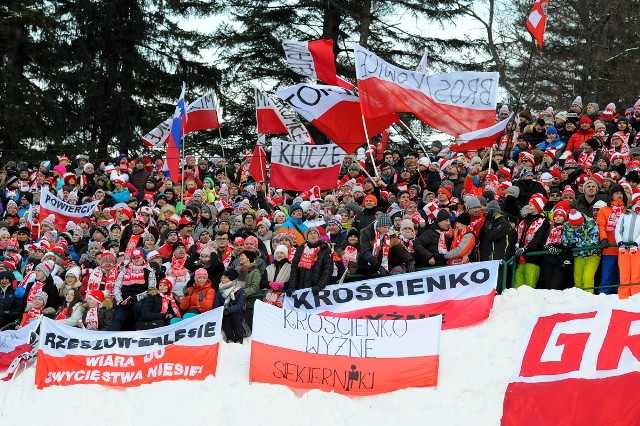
(185, 350)
(348, 356)
(314, 59)
(578, 369)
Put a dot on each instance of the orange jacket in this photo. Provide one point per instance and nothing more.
(601, 220)
(199, 297)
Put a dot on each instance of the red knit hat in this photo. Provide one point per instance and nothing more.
(167, 282)
(562, 208)
(575, 218)
(445, 191)
(568, 190)
(538, 201)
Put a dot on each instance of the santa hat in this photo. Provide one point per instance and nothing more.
(538, 201)
(96, 295)
(562, 208)
(608, 114)
(504, 171)
(575, 218)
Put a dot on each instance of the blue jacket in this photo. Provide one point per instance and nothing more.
(235, 306)
(556, 144)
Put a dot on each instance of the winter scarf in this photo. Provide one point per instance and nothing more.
(134, 274)
(228, 291)
(381, 245)
(309, 256)
(167, 299)
(91, 320)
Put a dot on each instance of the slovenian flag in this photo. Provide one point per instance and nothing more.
(174, 141)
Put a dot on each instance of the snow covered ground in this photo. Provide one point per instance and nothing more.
(475, 366)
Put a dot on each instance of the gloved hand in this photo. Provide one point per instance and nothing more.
(276, 286)
(316, 289)
(141, 296)
(411, 267)
(604, 242)
(19, 292)
(185, 291)
(383, 272)
(520, 251)
(289, 292)
(225, 313)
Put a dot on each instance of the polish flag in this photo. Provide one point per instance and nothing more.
(537, 20)
(336, 113)
(258, 165)
(203, 114)
(577, 369)
(63, 211)
(454, 103)
(478, 139)
(307, 351)
(314, 59)
(463, 294)
(298, 167)
(17, 348)
(274, 117)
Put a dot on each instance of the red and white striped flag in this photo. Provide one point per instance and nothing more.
(274, 117)
(314, 59)
(202, 114)
(483, 138)
(537, 20)
(336, 113)
(454, 103)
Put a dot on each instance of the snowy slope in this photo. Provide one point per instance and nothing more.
(476, 364)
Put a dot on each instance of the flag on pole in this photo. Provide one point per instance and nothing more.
(454, 103)
(204, 113)
(424, 62)
(314, 59)
(258, 165)
(482, 138)
(174, 142)
(537, 20)
(273, 116)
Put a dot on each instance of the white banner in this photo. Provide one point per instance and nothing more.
(463, 294)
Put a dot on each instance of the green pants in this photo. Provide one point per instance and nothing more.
(527, 274)
(584, 271)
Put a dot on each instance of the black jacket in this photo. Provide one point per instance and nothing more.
(150, 316)
(319, 274)
(497, 238)
(426, 247)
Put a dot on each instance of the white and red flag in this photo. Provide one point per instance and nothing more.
(537, 20)
(578, 368)
(299, 167)
(348, 356)
(202, 114)
(336, 113)
(17, 348)
(462, 294)
(274, 117)
(478, 139)
(63, 211)
(454, 103)
(186, 350)
(314, 59)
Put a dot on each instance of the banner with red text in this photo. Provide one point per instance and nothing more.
(462, 294)
(349, 356)
(336, 113)
(300, 167)
(202, 114)
(578, 368)
(63, 211)
(185, 350)
(314, 59)
(454, 103)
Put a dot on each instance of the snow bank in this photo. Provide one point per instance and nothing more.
(476, 364)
